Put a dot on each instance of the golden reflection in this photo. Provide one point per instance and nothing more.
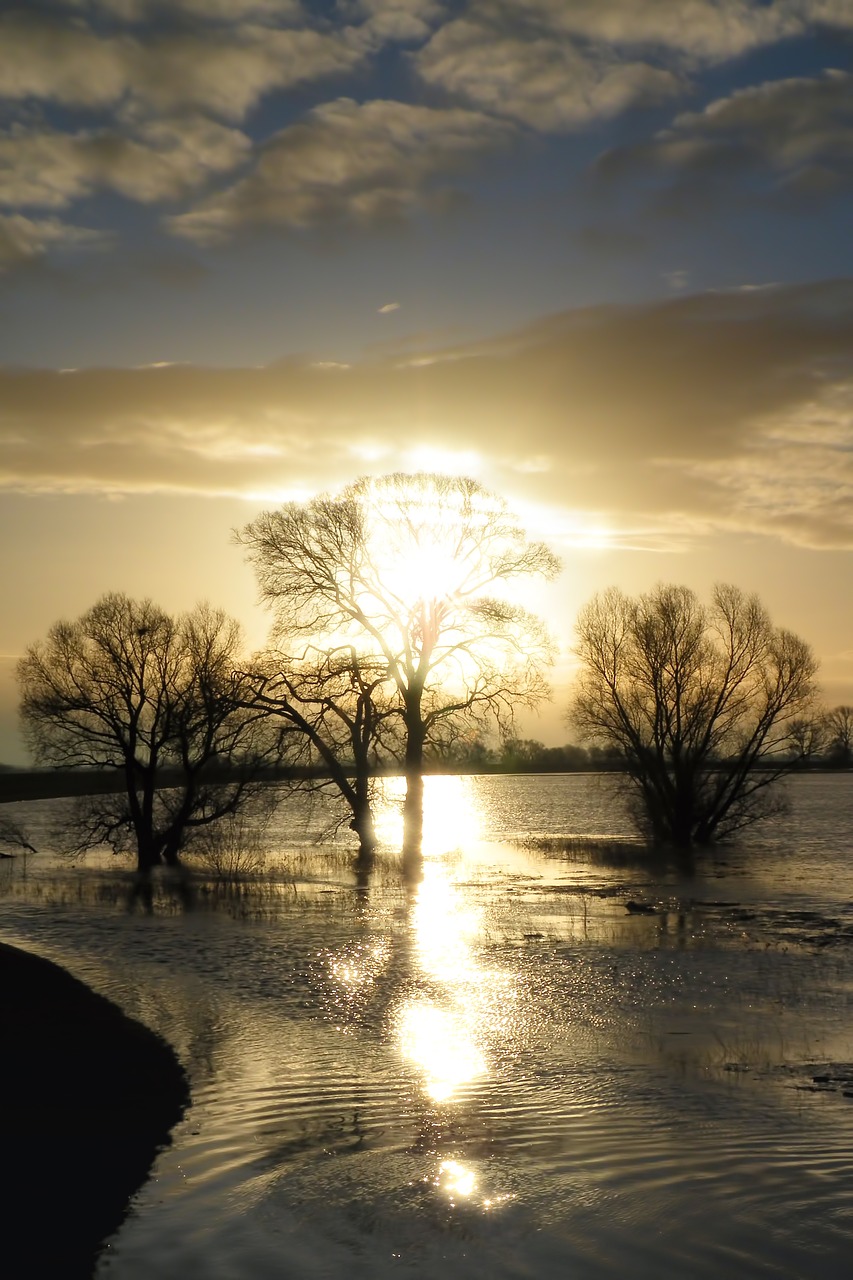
(456, 1180)
(445, 927)
(452, 822)
(447, 1036)
(359, 966)
(439, 1043)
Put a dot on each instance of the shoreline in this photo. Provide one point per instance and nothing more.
(90, 1096)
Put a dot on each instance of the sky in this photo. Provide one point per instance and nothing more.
(595, 253)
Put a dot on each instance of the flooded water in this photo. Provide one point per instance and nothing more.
(503, 1071)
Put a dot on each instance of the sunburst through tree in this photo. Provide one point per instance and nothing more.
(411, 571)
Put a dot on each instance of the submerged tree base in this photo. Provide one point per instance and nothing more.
(89, 1097)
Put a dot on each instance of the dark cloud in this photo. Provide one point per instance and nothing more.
(772, 140)
(26, 241)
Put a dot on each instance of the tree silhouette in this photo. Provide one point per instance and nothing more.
(699, 703)
(128, 688)
(408, 569)
(839, 729)
(335, 713)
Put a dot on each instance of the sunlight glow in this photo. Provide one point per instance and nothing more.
(424, 543)
(448, 462)
(278, 495)
(566, 530)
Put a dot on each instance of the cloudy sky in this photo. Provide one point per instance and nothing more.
(596, 253)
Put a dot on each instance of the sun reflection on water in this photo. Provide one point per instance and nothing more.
(446, 1035)
(456, 1180)
(440, 1044)
(452, 821)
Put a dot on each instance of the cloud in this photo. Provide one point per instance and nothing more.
(539, 81)
(554, 66)
(223, 72)
(700, 29)
(345, 163)
(203, 10)
(725, 411)
(26, 240)
(786, 135)
(389, 307)
(393, 21)
(165, 160)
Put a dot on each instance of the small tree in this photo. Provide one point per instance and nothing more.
(13, 836)
(807, 736)
(698, 702)
(128, 688)
(406, 569)
(838, 725)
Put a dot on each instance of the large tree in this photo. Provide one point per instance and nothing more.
(699, 701)
(412, 571)
(127, 687)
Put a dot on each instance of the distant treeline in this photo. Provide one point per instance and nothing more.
(528, 755)
(522, 755)
(518, 755)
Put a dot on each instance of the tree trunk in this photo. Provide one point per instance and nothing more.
(413, 806)
(363, 826)
(171, 851)
(147, 852)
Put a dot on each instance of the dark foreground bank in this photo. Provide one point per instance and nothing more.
(87, 1096)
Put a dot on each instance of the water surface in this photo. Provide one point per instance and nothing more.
(501, 1071)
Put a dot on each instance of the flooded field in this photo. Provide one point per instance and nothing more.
(556, 1055)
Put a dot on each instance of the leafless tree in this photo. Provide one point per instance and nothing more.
(807, 737)
(127, 687)
(408, 569)
(13, 836)
(337, 714)
(698, 701)
(839, 731)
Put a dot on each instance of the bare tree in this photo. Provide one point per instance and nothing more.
(13, 836)
(698, 701)
(128, 688)
(336, 714)
(406, 569)
(839, 730)
(807, 737)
